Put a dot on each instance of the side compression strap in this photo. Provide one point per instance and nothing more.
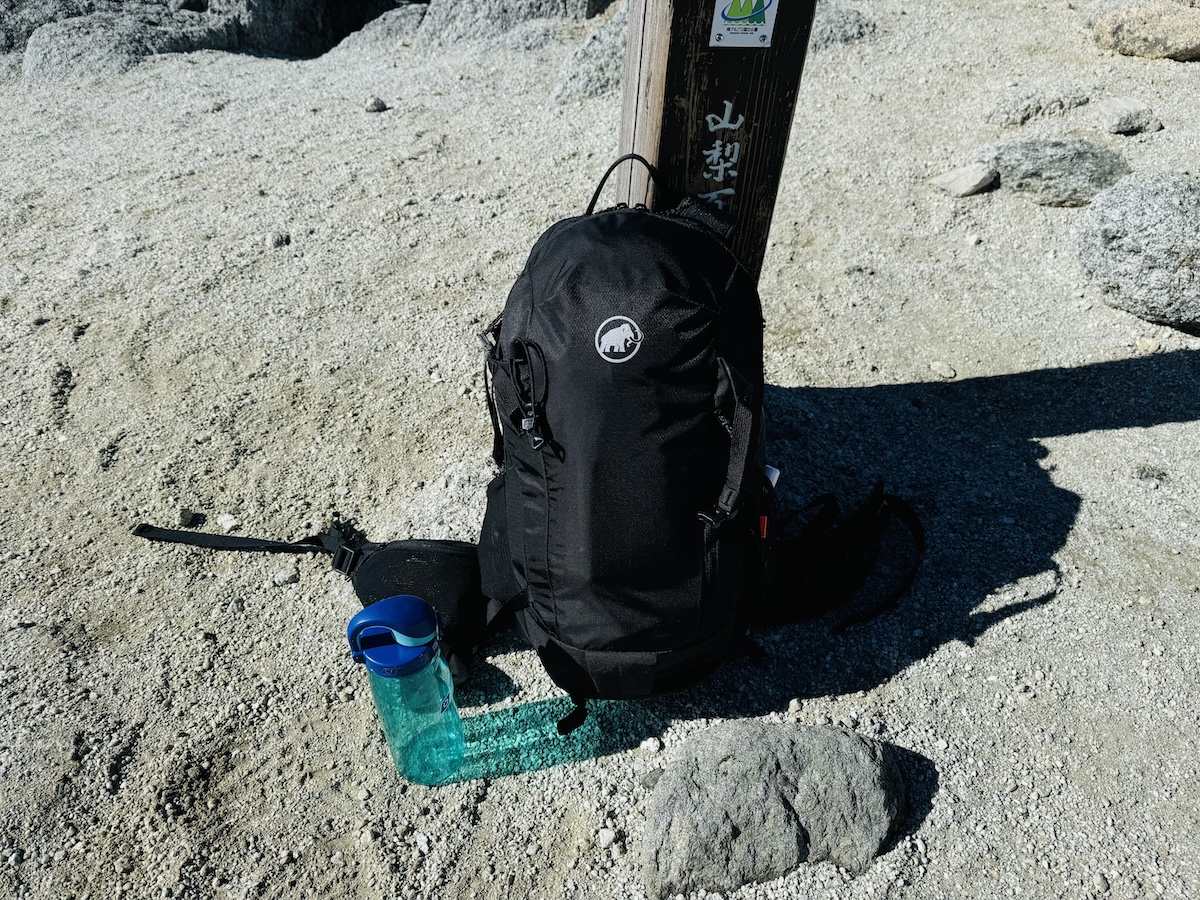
(733, 408)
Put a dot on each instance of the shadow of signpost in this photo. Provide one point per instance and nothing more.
(966, 453)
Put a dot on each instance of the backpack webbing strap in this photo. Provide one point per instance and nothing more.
(733, 409)
(574, 718)
(339, 542)
(900, 510)
(229, 541)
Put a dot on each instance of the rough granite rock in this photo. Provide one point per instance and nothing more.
(595, 67)
(1019, 109)
(297, 27)
(1054, 172)
(1156, 29)
(1140, 241)
(454, 21)
(1125, 115)
(749, 801)
(392, 28)
(966, 181)
(834, 24)
(21, 18)
(108, 43)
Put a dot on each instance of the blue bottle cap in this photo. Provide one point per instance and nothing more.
(395, 636)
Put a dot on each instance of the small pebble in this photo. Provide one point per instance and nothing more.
(375, 105)
(202, 437)
(364, 794)
(286, 576)
(606, 837)
(227, 522)
(278, 239)
(652, 744)
(422, 842)
(942, 370)
(795, 705)
(184, 517)
(1148, 345)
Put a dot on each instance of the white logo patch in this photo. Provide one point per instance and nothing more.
(618, 339)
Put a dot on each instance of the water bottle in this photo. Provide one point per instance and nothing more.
(398, 641)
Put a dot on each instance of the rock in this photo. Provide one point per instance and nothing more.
(285, 577)
(1054, 172)
(227, 522)
(1156, 29)
(297, 27)
(451, 22)
(834, 24)
(536, 34)
(19, 20)
(184, 517)
(596, 66)
(749, 801)
(1140, 241)
(605, 838)
(394, 28)
(966, 180)
(1098, 9)
(1125, 115)
(943, 370)
(109, 43)
(375, 105)
(1019, 109)
(276, 239)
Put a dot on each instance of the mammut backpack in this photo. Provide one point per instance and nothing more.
(625, 383)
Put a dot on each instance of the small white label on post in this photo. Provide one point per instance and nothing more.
(743, 23)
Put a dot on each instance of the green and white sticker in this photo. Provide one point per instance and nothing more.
(743, 23)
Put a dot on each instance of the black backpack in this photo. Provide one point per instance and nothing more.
(626, 526)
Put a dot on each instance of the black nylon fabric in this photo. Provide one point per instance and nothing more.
(626, 314)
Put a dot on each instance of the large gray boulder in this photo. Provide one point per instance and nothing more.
(1155, 29)
(21, 18)
(457, 21)
(1140, 241)
(1054, 172)
(394, 28)
(296, 27)
(596, 66)
(750, 801)
(109, 43)
(284, 27)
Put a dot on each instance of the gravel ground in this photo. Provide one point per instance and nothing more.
(227, 287)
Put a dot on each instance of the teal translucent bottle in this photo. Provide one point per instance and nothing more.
(398, 641)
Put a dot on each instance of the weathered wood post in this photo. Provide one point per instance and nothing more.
(710, 88)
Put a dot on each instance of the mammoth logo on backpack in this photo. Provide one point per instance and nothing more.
(618, 339)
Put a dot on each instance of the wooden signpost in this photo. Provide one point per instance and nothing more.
(710, 88)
